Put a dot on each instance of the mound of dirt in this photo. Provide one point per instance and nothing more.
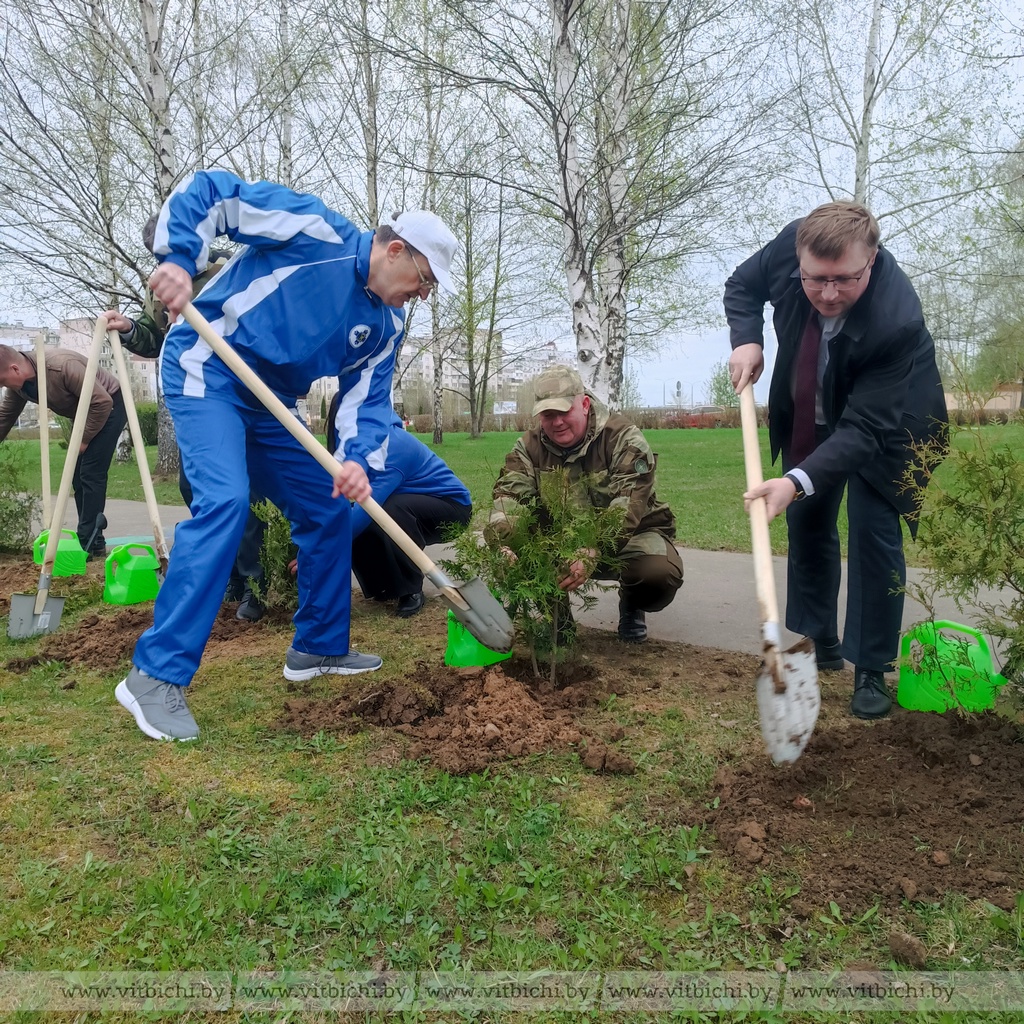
(908, 808)
(17, 576)
(461, 720)
(105, 642)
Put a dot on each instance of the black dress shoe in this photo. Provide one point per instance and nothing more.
(250, 608)
(871, 698)
(829, 655)
(410, 605)
(632, 622)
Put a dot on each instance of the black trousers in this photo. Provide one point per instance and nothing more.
(382, 570)
(876, 572)
(91, 472)
(247, 560)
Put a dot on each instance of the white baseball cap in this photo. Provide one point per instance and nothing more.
(429, 234)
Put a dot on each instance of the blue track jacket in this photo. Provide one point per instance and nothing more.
(403, 465)
(293, 303)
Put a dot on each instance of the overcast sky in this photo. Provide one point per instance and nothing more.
(690, 359)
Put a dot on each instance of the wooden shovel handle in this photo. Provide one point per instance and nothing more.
(75, 442)
(291, 423)
(764, 573)
(44, 424)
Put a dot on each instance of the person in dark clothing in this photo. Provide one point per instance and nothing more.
(427, 500)
(65, 373)
(855, 390)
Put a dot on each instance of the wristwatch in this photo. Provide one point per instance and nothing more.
(795, 481)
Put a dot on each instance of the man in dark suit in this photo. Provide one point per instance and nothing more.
(855, 387)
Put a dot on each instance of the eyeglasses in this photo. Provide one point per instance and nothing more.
(425, 283)
(841, 283)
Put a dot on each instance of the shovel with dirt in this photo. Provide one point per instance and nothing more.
(471, 602)
(36, 613)
(788, 698)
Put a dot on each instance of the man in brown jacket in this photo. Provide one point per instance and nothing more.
(65, 374)
(577, 433)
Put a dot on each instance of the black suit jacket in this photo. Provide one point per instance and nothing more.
(881, 392)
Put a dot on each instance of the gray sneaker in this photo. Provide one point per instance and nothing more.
(159, 708)
(299, 666)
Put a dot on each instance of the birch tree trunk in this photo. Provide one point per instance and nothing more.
(437, 392)
(872, 87)
(168, 458)
(287, 97)
(369, 73)
(571, 196)
(613, 126)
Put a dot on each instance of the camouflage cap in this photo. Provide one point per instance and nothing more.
(556, 389)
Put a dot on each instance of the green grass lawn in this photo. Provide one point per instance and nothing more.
(259, 850)
(700, 474)
(256, 849)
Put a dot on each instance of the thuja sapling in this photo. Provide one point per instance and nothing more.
(523, 566)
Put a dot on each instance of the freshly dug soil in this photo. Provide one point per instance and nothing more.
(908, 808)
(912, 807)
(17, 576)
(461, 720)
(104, 640)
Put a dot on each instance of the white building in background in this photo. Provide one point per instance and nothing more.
(510, 368)
(23, 337)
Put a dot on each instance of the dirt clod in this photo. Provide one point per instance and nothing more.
(755, 830)
(908, 950)
(601, 758)
(749, 850)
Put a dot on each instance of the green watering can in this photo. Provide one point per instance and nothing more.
(70, 557)
(131, 574)
(464, 650)
(939, 671)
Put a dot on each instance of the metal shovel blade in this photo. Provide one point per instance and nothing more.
(485, 617)
(788, 700)
(23, 620)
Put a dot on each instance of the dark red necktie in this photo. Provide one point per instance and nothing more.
(805, 393)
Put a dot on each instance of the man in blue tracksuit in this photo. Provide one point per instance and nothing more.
(425, 498)
(308, 296)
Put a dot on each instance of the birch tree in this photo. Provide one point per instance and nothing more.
(649, 120)
(906, 107)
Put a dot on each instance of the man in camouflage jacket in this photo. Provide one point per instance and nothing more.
(144, 335)
(577, 433)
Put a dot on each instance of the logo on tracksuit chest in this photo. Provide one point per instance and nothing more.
(358, 335)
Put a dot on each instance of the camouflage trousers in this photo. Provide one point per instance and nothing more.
(650, 573)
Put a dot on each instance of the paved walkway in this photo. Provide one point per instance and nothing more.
(717, 606)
